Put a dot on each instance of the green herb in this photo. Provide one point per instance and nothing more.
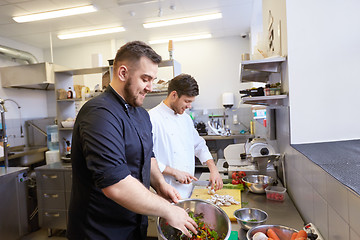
(233, 186)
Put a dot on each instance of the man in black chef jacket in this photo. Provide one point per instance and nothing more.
(112, 158)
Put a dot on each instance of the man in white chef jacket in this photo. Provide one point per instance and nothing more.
(176, 141)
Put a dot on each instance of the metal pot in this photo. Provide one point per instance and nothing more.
(214, 216)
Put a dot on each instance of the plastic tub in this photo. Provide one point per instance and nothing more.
(275, 193)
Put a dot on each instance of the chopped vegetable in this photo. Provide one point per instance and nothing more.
(232, 186)
(204, 231)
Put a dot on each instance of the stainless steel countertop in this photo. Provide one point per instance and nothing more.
(233, 136)
(279, 213)
(11, 170)
(56, 166)
(22, 151)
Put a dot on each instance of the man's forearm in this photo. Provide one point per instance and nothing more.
(131, 194)
(156, 177)
(211, 165)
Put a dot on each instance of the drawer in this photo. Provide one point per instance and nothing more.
(50, 180)
(53, 219)
(51, 199)
(68, 180)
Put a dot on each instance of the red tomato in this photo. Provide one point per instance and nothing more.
(242, 174)
(235, 182)
(234, 175)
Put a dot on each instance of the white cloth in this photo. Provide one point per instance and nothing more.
(176, 143)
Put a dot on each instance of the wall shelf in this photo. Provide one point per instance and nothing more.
(265, 100)
(260, 70)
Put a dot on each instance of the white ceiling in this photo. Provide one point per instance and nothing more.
(236, 19)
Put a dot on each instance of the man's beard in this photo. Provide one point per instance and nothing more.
(129, 96)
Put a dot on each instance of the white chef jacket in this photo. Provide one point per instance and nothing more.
(176, 143)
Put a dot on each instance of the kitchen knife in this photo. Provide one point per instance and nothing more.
(201, 183)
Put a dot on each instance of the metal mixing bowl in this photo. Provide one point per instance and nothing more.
(214, 217)
(283, 232)
(258, 183)
(250, 217)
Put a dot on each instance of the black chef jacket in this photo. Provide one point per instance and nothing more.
(110, 140)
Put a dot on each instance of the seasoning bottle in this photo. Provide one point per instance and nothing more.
(171, 49)
(252, 127)
(69, 93)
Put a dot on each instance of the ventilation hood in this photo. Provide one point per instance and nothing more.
(30, 76)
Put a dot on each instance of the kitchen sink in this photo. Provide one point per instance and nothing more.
(26, 156)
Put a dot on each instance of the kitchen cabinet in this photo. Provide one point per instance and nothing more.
(267, 70)
(14, 218)
(53, 192)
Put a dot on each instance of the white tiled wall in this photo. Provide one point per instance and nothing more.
(319, 197)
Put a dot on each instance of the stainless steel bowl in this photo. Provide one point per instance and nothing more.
(258, 183)
(250, 217)
(283, 232)
(214, 217)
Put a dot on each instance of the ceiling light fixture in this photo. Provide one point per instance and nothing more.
(55, 14)
(91, 33)
(182, 38)
(183, 20)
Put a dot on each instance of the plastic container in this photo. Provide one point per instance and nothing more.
(52, 137)
(275, 193)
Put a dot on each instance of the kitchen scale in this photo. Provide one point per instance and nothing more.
(256, 156)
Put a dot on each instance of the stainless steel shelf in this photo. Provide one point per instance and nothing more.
(82, 71)
(265, 100)
(260, 70)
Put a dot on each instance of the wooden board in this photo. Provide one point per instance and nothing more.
(201, 193)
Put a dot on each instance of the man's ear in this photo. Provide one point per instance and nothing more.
(173, 94)
(122, 72)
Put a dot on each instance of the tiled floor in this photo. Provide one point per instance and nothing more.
(42, 234)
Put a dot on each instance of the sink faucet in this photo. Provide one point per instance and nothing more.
(4, 137)
(21, 128)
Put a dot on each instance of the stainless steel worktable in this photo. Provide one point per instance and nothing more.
(279, 213)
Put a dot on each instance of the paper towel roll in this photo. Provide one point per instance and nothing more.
(52, 156)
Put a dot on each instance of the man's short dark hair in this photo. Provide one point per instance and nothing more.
(184, 84)
(133, 51)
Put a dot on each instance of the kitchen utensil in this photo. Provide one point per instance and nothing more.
(213, 216)
(258, 183)
(201, 183)
(283, 232)
(250, 217)
(202, 193)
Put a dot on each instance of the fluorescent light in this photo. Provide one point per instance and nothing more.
(182, 38)
(182, 20)
(91, 33)
(55, 14)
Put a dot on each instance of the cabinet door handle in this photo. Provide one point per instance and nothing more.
(51, 195)
(50, 176)
(52, 214)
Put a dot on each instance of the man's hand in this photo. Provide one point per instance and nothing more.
(179, 219)
(169, 192)
(216, 180)
(183, 177)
